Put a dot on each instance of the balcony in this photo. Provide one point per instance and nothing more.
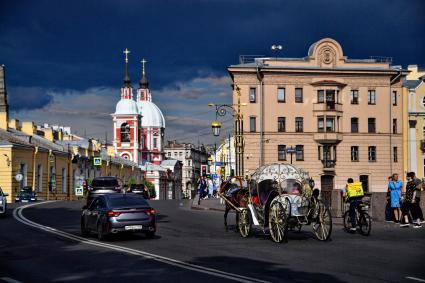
(329, 165)
(327, 107)
(328, 137)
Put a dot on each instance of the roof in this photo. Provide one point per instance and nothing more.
(151, 115)
(169, 162)
(126, 107)
(411, 83)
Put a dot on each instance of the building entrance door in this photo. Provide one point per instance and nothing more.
(327, 185)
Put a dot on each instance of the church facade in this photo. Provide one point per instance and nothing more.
(138, 123)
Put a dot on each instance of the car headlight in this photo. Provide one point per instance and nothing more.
(32, 198)
(1, 201)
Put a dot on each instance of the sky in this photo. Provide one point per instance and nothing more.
(64, 60)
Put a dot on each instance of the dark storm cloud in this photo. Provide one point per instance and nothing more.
(28, 98)
(78, 45)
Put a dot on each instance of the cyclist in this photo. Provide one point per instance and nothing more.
(353, 194)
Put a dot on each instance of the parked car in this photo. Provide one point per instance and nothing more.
(26, 194)
(115, 213)
(139, 189)
(103, 185)
(3, 203)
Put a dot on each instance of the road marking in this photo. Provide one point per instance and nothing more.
(416, 279)
(10, 280)
(17, 214)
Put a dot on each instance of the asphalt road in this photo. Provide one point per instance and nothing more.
(192, 246)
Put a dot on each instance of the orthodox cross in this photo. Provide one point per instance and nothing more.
(143, 66)
(126, 52)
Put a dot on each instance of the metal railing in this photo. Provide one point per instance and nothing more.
(244, 59)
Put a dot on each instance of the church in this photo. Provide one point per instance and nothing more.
(139, 127)
(138, 123)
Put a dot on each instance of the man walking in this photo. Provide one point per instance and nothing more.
(411, 204)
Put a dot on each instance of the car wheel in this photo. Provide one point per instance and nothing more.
(84, 231)
(150, 235)
(100, 233)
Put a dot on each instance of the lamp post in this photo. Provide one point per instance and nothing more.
(221, 110)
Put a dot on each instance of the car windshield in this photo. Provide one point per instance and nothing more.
(26, 190)
(126, 201)
(104, 183)
(137, 187)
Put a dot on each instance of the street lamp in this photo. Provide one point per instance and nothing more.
(221, 110)
(216, 125)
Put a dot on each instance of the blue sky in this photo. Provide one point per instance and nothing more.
(65, 64)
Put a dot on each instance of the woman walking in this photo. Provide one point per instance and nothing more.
(395, 186)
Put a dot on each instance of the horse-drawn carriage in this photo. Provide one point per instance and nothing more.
(277, 197)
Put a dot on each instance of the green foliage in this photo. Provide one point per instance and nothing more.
(131, 181)
(151, 188)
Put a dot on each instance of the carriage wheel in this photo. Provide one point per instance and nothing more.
(243, 222)
(278, 224)
(365, 224)
(322, 225)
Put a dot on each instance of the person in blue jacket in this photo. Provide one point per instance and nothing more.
(395, 186)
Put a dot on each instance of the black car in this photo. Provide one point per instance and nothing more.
(103, 185)
(26, 194)
(115, 213)
(139, 189)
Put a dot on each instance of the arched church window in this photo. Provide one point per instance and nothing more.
(125, 132)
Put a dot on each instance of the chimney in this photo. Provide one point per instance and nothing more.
(48, 134)
(28, 128)
(14, 124)
(4, 107)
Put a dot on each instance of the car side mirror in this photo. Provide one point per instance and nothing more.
(6, 195)
(85, 207)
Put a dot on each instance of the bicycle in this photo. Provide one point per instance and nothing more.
(363, 220)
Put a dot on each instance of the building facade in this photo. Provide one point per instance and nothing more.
(333, 116)
(192, 158)
(414, 117)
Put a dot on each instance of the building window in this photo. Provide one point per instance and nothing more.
(330, 99)
(298, 124)
(298, 95)
(175, 153)
(320, 124)
(281, 94)
(169, 154)
(125, 132)
(320, 96)
(63, 180)
(330, 124)
(371, 125)
(354, 125)
(394, 98)
(281, 152)
(372, 153)
(252, 124)
(395, 154)
(423, 101)
(394, 126)
(371, 96)
(299, 152)
(354, 153)
(354, 96)
(155, 142)
(281, 127)
(252, 94)
(39, 178)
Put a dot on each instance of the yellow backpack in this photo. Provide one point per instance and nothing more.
(355, 190)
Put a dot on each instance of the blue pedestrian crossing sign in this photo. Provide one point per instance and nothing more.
(97, 161)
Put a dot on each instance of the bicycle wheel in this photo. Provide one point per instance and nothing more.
(365, 224)
(347, 221)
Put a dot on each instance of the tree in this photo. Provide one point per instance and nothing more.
(151, 188)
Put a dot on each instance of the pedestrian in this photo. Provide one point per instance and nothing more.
(395, 186)
(210, 188)
(388, 212)
(202, 189)
(411, 206)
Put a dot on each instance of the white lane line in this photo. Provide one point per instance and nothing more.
(10, 280)
(415, 279)
(17, 214)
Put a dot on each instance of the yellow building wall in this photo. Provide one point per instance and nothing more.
(6, 171)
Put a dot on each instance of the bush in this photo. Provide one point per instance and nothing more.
(151, 188)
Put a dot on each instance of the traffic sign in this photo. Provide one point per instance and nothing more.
(97, 161)
(79, 191)
(291, 150)
(51, 158)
